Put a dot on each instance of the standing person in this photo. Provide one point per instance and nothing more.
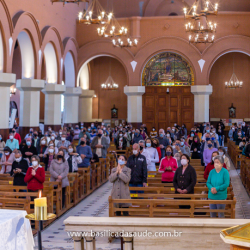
(138, 165)
(196, 148)
(6, 161)
(207, 154)
(144, 152)
(42, 148)
(185, 177)
(28, 150)
(168, 166)
(85, 152)
(100, 145)
(2, 145)
(19, 168)
(16, 136)
(222, 152)
(163, 142)
(35, 175)
(184, 128)
(137, 137)
(63, 144)
(12, 143)
(36, 141)
(156, 145)
(120, 177)
(121, 142)
(76, 132)
(73, 159)
(49, 156)
(143, 134)
(218, 181)
(59, 169)
(154, 157)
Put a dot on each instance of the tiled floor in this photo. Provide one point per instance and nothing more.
(55, 238)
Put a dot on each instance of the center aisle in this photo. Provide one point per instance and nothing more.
(95, 205)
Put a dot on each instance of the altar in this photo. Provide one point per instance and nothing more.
(15, 230)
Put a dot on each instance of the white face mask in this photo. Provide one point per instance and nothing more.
(51, 150)
(221, 153)
(43, 142)
(7, 153)
(213, 158)
(34, 163)
(135, 152)
(70, 150)
(168, 135)
(184, 162)
(52, 138)
(18, 159)
(120, 135)
(60, 133)
(11, 137)
(63, 138)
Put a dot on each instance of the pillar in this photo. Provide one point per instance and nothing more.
(134, 94)
(90, 242)
(85, 111)
(71, 105)
(78, 243)
(6, 81)
(128, 241)
(52, 111)
(29, 104)
(135, 25)
(201, 102)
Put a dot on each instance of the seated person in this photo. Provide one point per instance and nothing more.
(6, 161)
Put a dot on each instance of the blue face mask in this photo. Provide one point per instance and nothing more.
(161, 135)
(28, 143)
(177, 144)
(192, 134)
(148, 144)
(121, 162)
(136, 134)
(182, 143)
(208, 131)
(209, 145)
(207, 139)
(213, 138)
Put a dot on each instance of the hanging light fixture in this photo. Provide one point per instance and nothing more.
(233, 82)
(12, 91)
(95, 14)
(200, 29)
(109, 83)
(69, 1)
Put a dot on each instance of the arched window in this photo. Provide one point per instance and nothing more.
(167, 69)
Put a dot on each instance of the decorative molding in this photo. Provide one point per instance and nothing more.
(133, 64)
(166, 26)
(201, 63)
(236, 25)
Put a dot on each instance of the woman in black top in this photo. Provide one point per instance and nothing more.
(196, 148)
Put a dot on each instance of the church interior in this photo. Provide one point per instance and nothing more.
(124, 124)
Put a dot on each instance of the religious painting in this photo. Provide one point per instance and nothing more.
(114, 112)
(232, 111)
(167, 69)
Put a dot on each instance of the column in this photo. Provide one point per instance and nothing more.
(52, 112)
(6, 81)
(134, 94)
(85, 112)
(135, 27)
(29, 103)
(128, 241)
(201, 102)
(90, 242)
(78, 243)
(71, 105)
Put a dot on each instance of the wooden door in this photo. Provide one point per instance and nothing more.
(162, 109)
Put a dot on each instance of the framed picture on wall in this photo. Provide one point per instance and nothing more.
(232, 111)
(114, 112)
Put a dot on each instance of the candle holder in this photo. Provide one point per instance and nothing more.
(40, 215)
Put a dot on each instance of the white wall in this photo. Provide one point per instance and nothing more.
(84, 77)
(69, 71)
(27, 53)
(51, 63)
(1, 53)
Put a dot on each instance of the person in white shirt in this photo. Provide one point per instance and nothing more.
(144, 152)
(154, 157)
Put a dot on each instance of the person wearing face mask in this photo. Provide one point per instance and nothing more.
(218, 181)
(156, 146)
(120, 177)
(138, 165)
(210, 166)
(222, 152)
(190, 138)
(137, 136)
(153, 133)
(238, 137)
(85, 152)
(59, 169)
(153, 154)
(58, 138)
(63, 144)
(185, 147)
(231, 133)
(121, 142)
(30, 134)
(28, 150)
(220, 134)
(195, 148)
(49, 156)
(42, 148)
(76, 132)
(6, 161)
(40, 134)
(143, 134)
(163, 142)
(16, 135)
(92, 135)
(35, 175)
(207, 132)
(2, 146)
(168, 166)
(19, 168)
(168, 136)
(185, 178)
(144, 152)
(83, 132)
(207, 154)
(36, 141)
(100, 145)
(53, 139)
(179, 148)
(93, 127)
(73, 159)
(12, 143)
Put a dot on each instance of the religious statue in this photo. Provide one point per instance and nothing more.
(232, 111)
(114, 112)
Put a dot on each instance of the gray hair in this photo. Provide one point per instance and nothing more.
(142, 141)
(35, 157)
(18, 152)
(220, 158)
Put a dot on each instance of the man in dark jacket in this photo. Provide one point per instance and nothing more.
(28, 150)
(19, 169)
(138, 165)
(163, 142)
(137, 136)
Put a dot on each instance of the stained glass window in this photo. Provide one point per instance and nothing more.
(167, 69)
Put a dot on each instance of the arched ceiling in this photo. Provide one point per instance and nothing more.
(126, 8)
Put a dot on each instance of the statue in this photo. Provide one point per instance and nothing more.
(232, 111)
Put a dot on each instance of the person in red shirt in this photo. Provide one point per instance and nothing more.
(35, 175)
(16, 136)
(156, 145)
(210, 166)
(168, 166)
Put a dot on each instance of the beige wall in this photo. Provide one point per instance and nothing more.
(222, 98)
(102, 104)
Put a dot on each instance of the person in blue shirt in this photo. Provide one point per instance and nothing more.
(218, 181)
(85, 152)
(12, 143)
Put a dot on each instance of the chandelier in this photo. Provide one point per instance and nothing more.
(69, 1)
(200, 29)
(109, 83)
(233, 82)
(126, 42)
(94, 14)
